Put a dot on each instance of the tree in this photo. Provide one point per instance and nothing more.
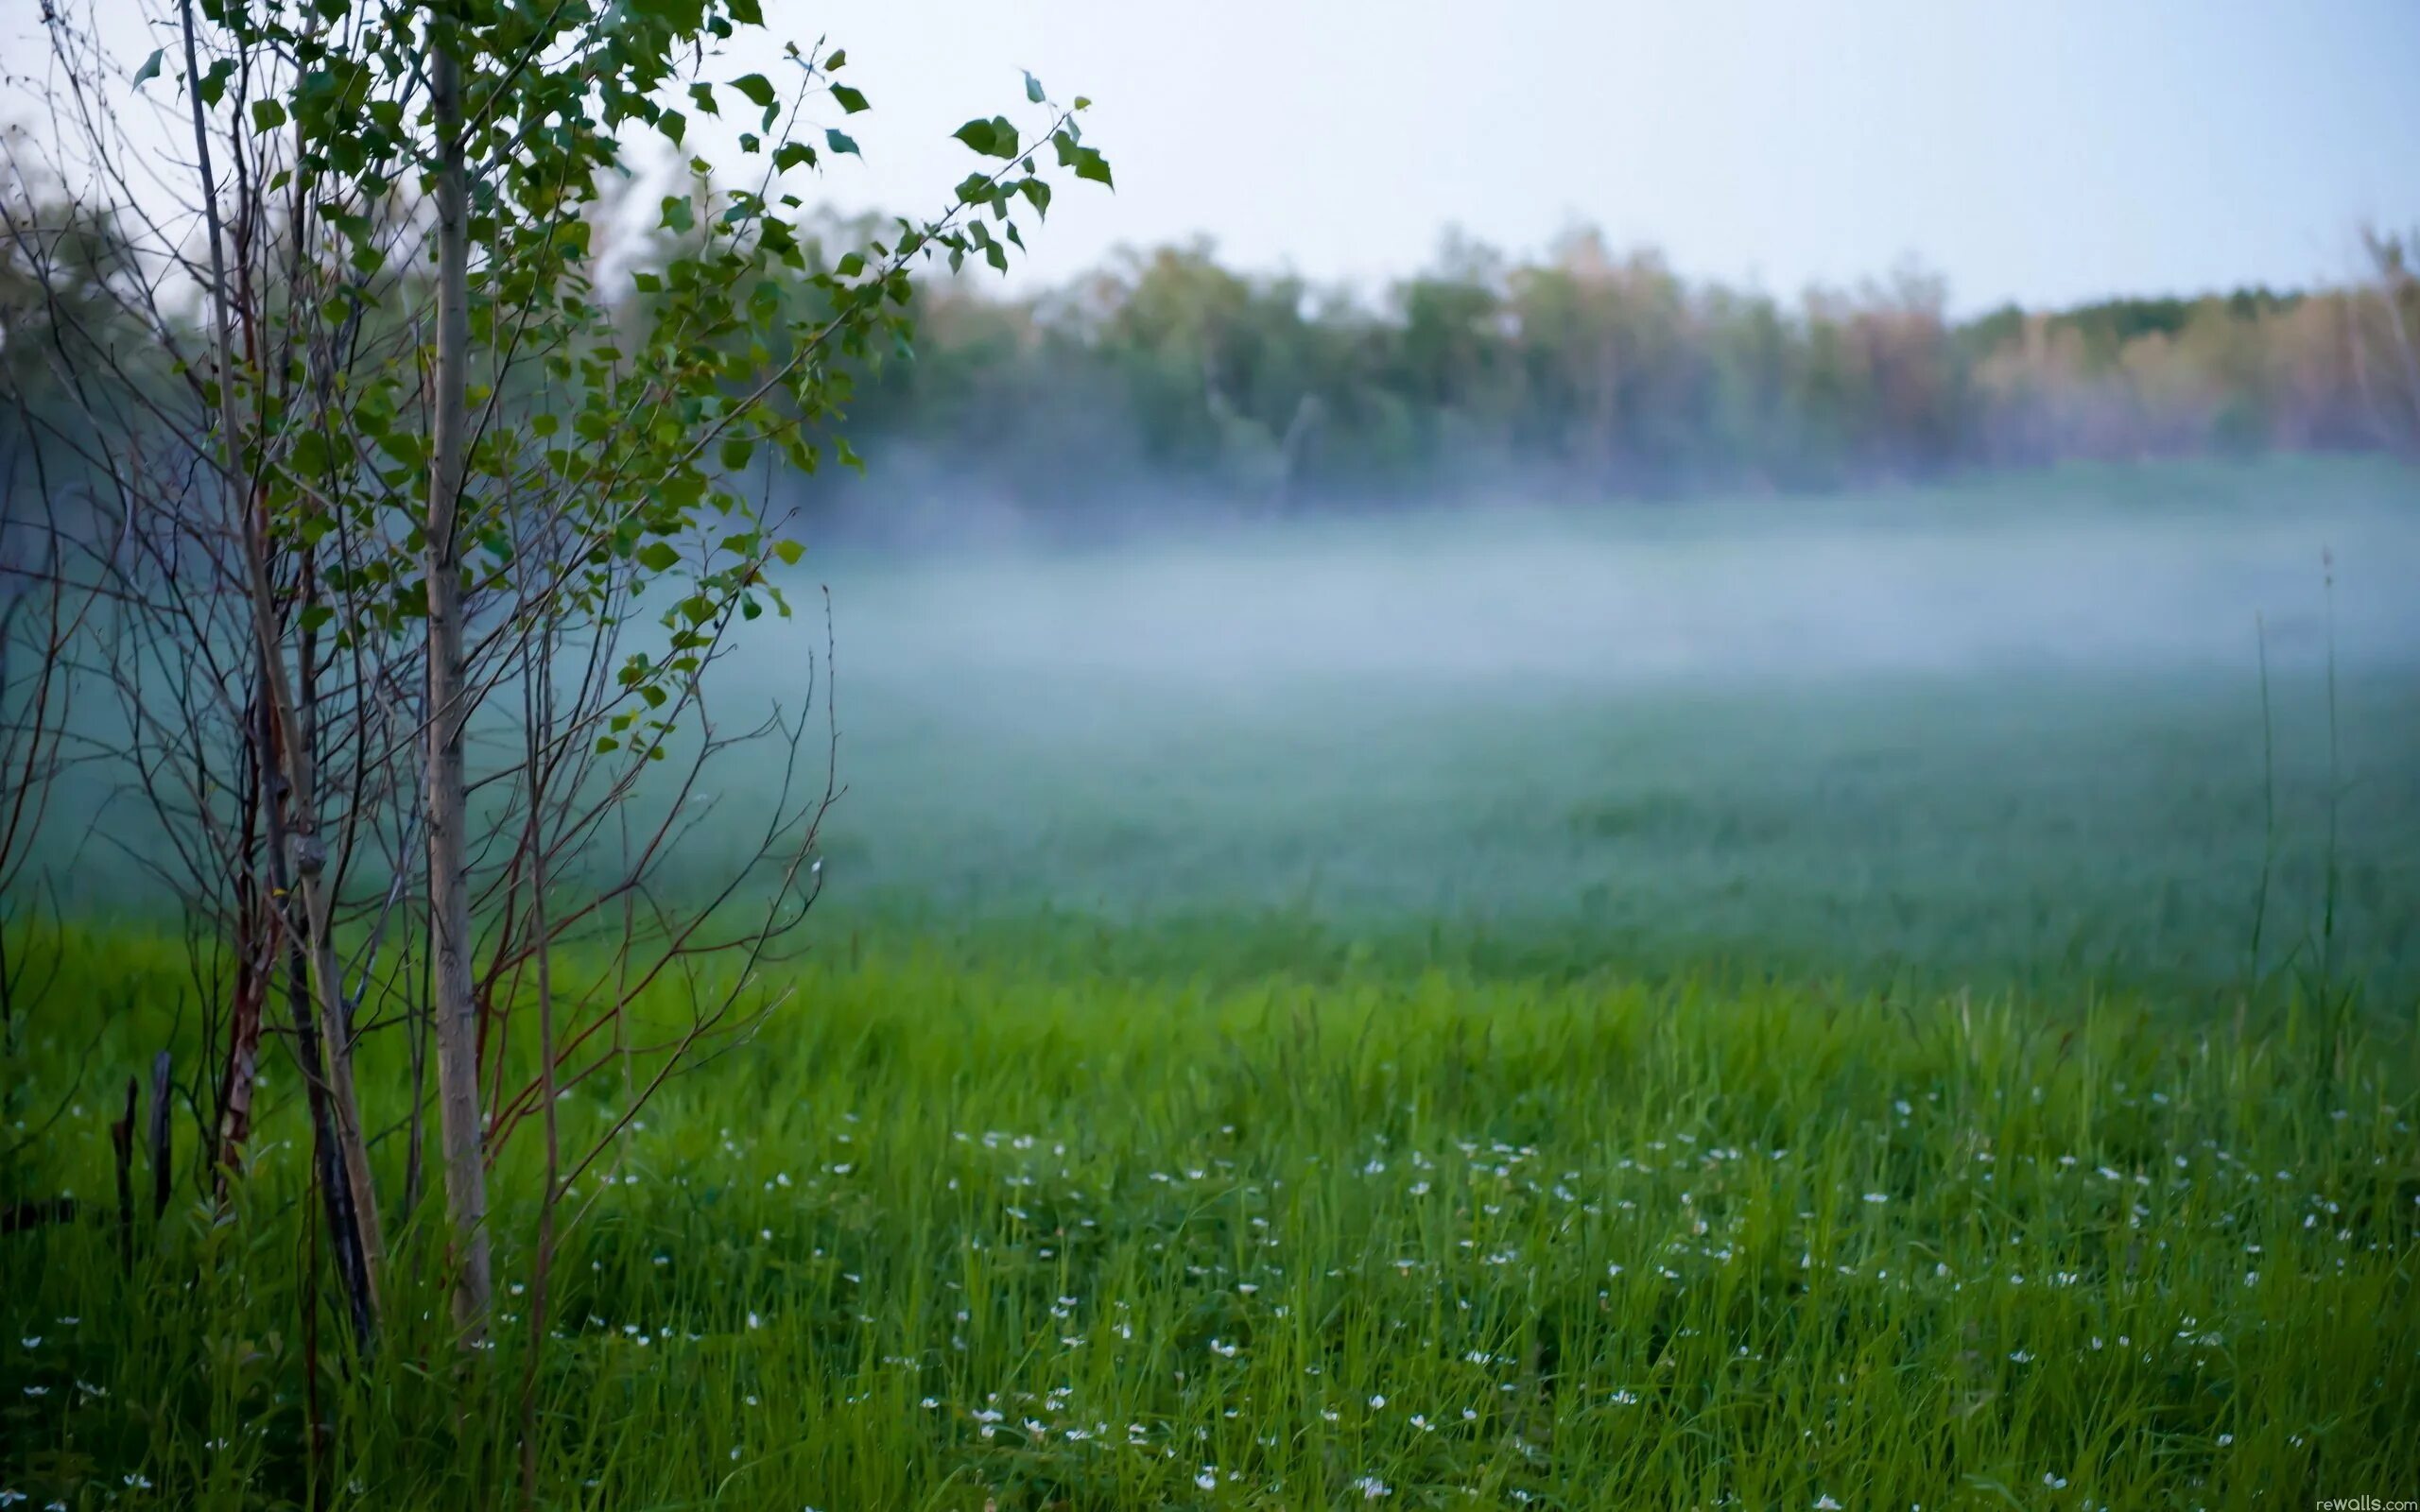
(423, 466)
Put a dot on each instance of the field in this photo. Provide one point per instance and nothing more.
(1863, 1004)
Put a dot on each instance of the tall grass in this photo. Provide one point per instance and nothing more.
(964, 1235)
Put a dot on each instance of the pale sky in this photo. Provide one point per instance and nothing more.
(2040, 150)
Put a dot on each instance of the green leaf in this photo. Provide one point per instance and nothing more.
(1032, 87)
(703, 96)
(850, 99)
(747, 13)
(682, 16)
(839, 59)
(606, 745)
(683, 490)
(758, 89)
(736, 450)
(678, 215)
(1037, 193)
(798, 154)
(659, 557)
(840, 142)
(995, 138)
(150, 69)
(790, 551)
(267, 116)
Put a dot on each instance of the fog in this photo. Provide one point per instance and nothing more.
(1996, 728)
(1816, 588)
(1985, 727)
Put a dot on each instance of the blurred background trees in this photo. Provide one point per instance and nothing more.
(1594, 372)
(1585, 371)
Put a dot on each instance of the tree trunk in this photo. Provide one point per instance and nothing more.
(337, 1191)
(286, 750)
(297, 742)
(449, 895)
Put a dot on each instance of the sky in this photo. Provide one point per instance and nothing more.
(2041, 151)
(2046, 152)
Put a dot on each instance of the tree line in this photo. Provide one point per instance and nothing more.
(1583, 372)
(1594, 372)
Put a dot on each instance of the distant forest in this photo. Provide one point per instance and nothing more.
(1580, 373)
(1601, 374)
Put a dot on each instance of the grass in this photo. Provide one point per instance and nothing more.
(961, 1237)
(1326, 1072)
(2026, 829)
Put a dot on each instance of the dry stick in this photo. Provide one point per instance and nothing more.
(2335, 797)
(538, 699)
(326, 975)
(2268, 825)
(319, 1435)
(122, 1142)
(418, 1010)
(42, 727)
(158, 1134)
(343, 1227)
(28, 1215)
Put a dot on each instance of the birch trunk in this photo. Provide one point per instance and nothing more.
(449, 897)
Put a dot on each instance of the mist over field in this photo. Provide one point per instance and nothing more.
(1975, 728)
(1985, 732)
(2039, 573)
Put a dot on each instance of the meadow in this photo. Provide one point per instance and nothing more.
(1890, 1002)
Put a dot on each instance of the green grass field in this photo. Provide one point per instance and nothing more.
(1029, 1238)
(1916, 1035)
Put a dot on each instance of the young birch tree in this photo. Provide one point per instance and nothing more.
(421, 448)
